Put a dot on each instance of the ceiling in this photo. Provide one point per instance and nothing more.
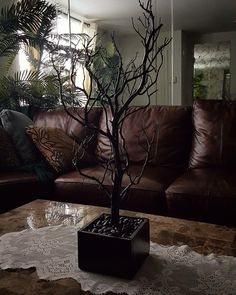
(189, 15)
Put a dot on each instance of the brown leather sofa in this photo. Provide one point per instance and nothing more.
(207, 189)
(191, 174)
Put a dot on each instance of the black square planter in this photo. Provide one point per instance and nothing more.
(111, 255)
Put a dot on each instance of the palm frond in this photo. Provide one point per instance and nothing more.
(27, 22)
(28, 88)
(26, 15)
(9, 44)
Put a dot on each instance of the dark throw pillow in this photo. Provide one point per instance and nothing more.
(15, 123)
(58, 148)
(8, 156)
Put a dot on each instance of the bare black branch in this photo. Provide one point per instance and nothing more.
(127, 81)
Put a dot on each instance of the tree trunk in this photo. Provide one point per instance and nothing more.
(115, 197)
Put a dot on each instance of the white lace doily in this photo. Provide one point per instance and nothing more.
(169, 270)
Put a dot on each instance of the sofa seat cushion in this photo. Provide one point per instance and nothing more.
(148, 196)
(18, 188)
(8, 156)
(204, 194)
(11, 178)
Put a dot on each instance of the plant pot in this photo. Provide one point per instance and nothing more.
(119, 256)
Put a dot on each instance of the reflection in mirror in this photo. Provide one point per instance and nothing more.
(212, 70)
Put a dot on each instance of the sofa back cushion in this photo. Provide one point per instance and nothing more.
(14, 123)
(214, 141)
(170, 127)
(58, 118)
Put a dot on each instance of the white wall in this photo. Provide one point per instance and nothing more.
(163, 95)
(177, 68)
(130, 44)
(187, 68)
(183, 43)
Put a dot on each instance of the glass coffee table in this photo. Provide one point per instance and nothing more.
(201, 237)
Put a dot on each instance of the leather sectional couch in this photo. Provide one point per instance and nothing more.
(192, 169)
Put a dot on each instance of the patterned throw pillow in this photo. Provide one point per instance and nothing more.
(58, 148)
(8, 156)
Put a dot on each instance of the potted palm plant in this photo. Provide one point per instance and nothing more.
(26, 25)
(115, 244)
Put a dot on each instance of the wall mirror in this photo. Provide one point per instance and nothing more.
(211, 77)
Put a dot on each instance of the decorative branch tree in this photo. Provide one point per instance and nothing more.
(115, 96)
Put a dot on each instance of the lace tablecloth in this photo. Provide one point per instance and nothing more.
(169, 270)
